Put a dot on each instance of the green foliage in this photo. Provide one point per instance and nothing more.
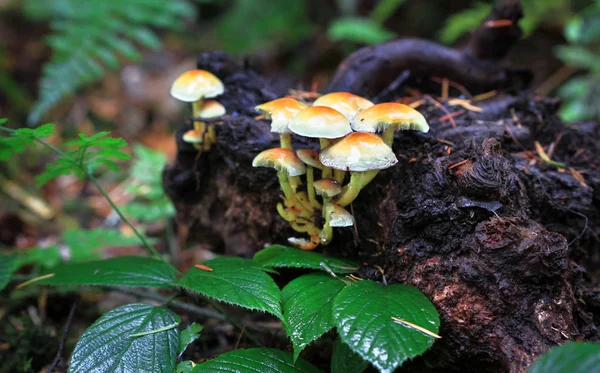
(278, 256)
(84, 243)
(118, 271)
(572, 357)
(256, 360)
(236, 281)
(344, 360)
(109, 345)
(363, 314)
(464, 21)
(273, 22)
(358, 30)
(384, 9)
(8, 264)
(307, 303)
(22, 138)
(188, 336)
(90, 36)
(150, 203)
(89, 154)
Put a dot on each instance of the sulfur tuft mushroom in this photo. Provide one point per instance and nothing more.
(281, 111)
(335, 216)
(196, 85)
(389, 117)
(311, 159)
(361, 153)
(287, 163)
(345, 102)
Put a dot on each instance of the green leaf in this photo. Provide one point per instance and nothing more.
(574, 357)
(255, 360)
(189, 335)
(307, 308)
(344, 360)
(107, 345)
(85, 243)
(236, 281)
(363, 314)
(20, 139)
(464, 21)
(358, 30)
(8, 264)
(119, 271)
(278, 256)
(185, 366)
(44, 256)
(578, 56)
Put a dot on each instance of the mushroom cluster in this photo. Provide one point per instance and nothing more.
(351, 155)
(196, 86)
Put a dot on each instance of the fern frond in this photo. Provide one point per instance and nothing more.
(92, 36)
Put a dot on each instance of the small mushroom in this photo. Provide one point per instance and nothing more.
(280, 112)
(361, 153)
(211, 109)
(327, 189)
(345, 102)
(335, 216)
(196, 85)
(287, 164)
(303, 243)
(387, 118)
(323, 123)
(311, 159)
(193, 137)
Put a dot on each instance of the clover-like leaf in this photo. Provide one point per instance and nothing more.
(278, 256)
(255, 360)
(364, 312)
(307, 308)
(236, 281)
(119, 271)
(573, 357)
(137, 337)
(344, 360)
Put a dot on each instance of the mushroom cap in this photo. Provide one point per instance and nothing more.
(195, 84)
(345, 102)
(389, 115)
(283, 160)
(320, 121)
(192, 137)
(339, 216)
(359, 151)
(212, 109)
(327, 188)
(280, 112)
(310, 157)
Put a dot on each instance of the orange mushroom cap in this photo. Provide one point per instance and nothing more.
(283, 160)
(280, 112)
(389, 115)
(359, 151)
(212, 109)
(345, 102)
(195, 84)
(320, 121)
(327, 188)
(192, 137)
(310, 157)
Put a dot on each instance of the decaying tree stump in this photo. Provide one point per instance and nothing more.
(502, 243)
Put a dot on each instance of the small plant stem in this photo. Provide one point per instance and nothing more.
(163, 329)
(351, 190)
(285, 140)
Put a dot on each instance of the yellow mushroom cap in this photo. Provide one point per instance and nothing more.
(280, 112)
(283, 160)
(327, 188)
(359, 151)
(310, 157)
(345, 102)
(339, 216)
(389, 115)
(193, 137)
(195, 84)
(211, 109)
(320, 121)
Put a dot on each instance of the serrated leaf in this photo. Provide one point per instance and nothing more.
(236, 281)
(119, 271)
(307, 308)
(363, 314)
(8, 264)
(255, 360)
(189, 335)
(572, 357)
(278, 256)
(107, 345)
(359, 30)
(344, 360)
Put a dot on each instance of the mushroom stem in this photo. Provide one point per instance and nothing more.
(305, 228)
(200, 127)
(388, 136)
(284, 214)
(326, 172)
(339, 175)
(305, 204)
(368, 177)
(294, 182)
(326, 234)
(285, 139)
(310, 179)
(286, 188)
(350, 191)
(197, 106)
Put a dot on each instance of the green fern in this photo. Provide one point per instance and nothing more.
(21, 138)
(92, 35)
